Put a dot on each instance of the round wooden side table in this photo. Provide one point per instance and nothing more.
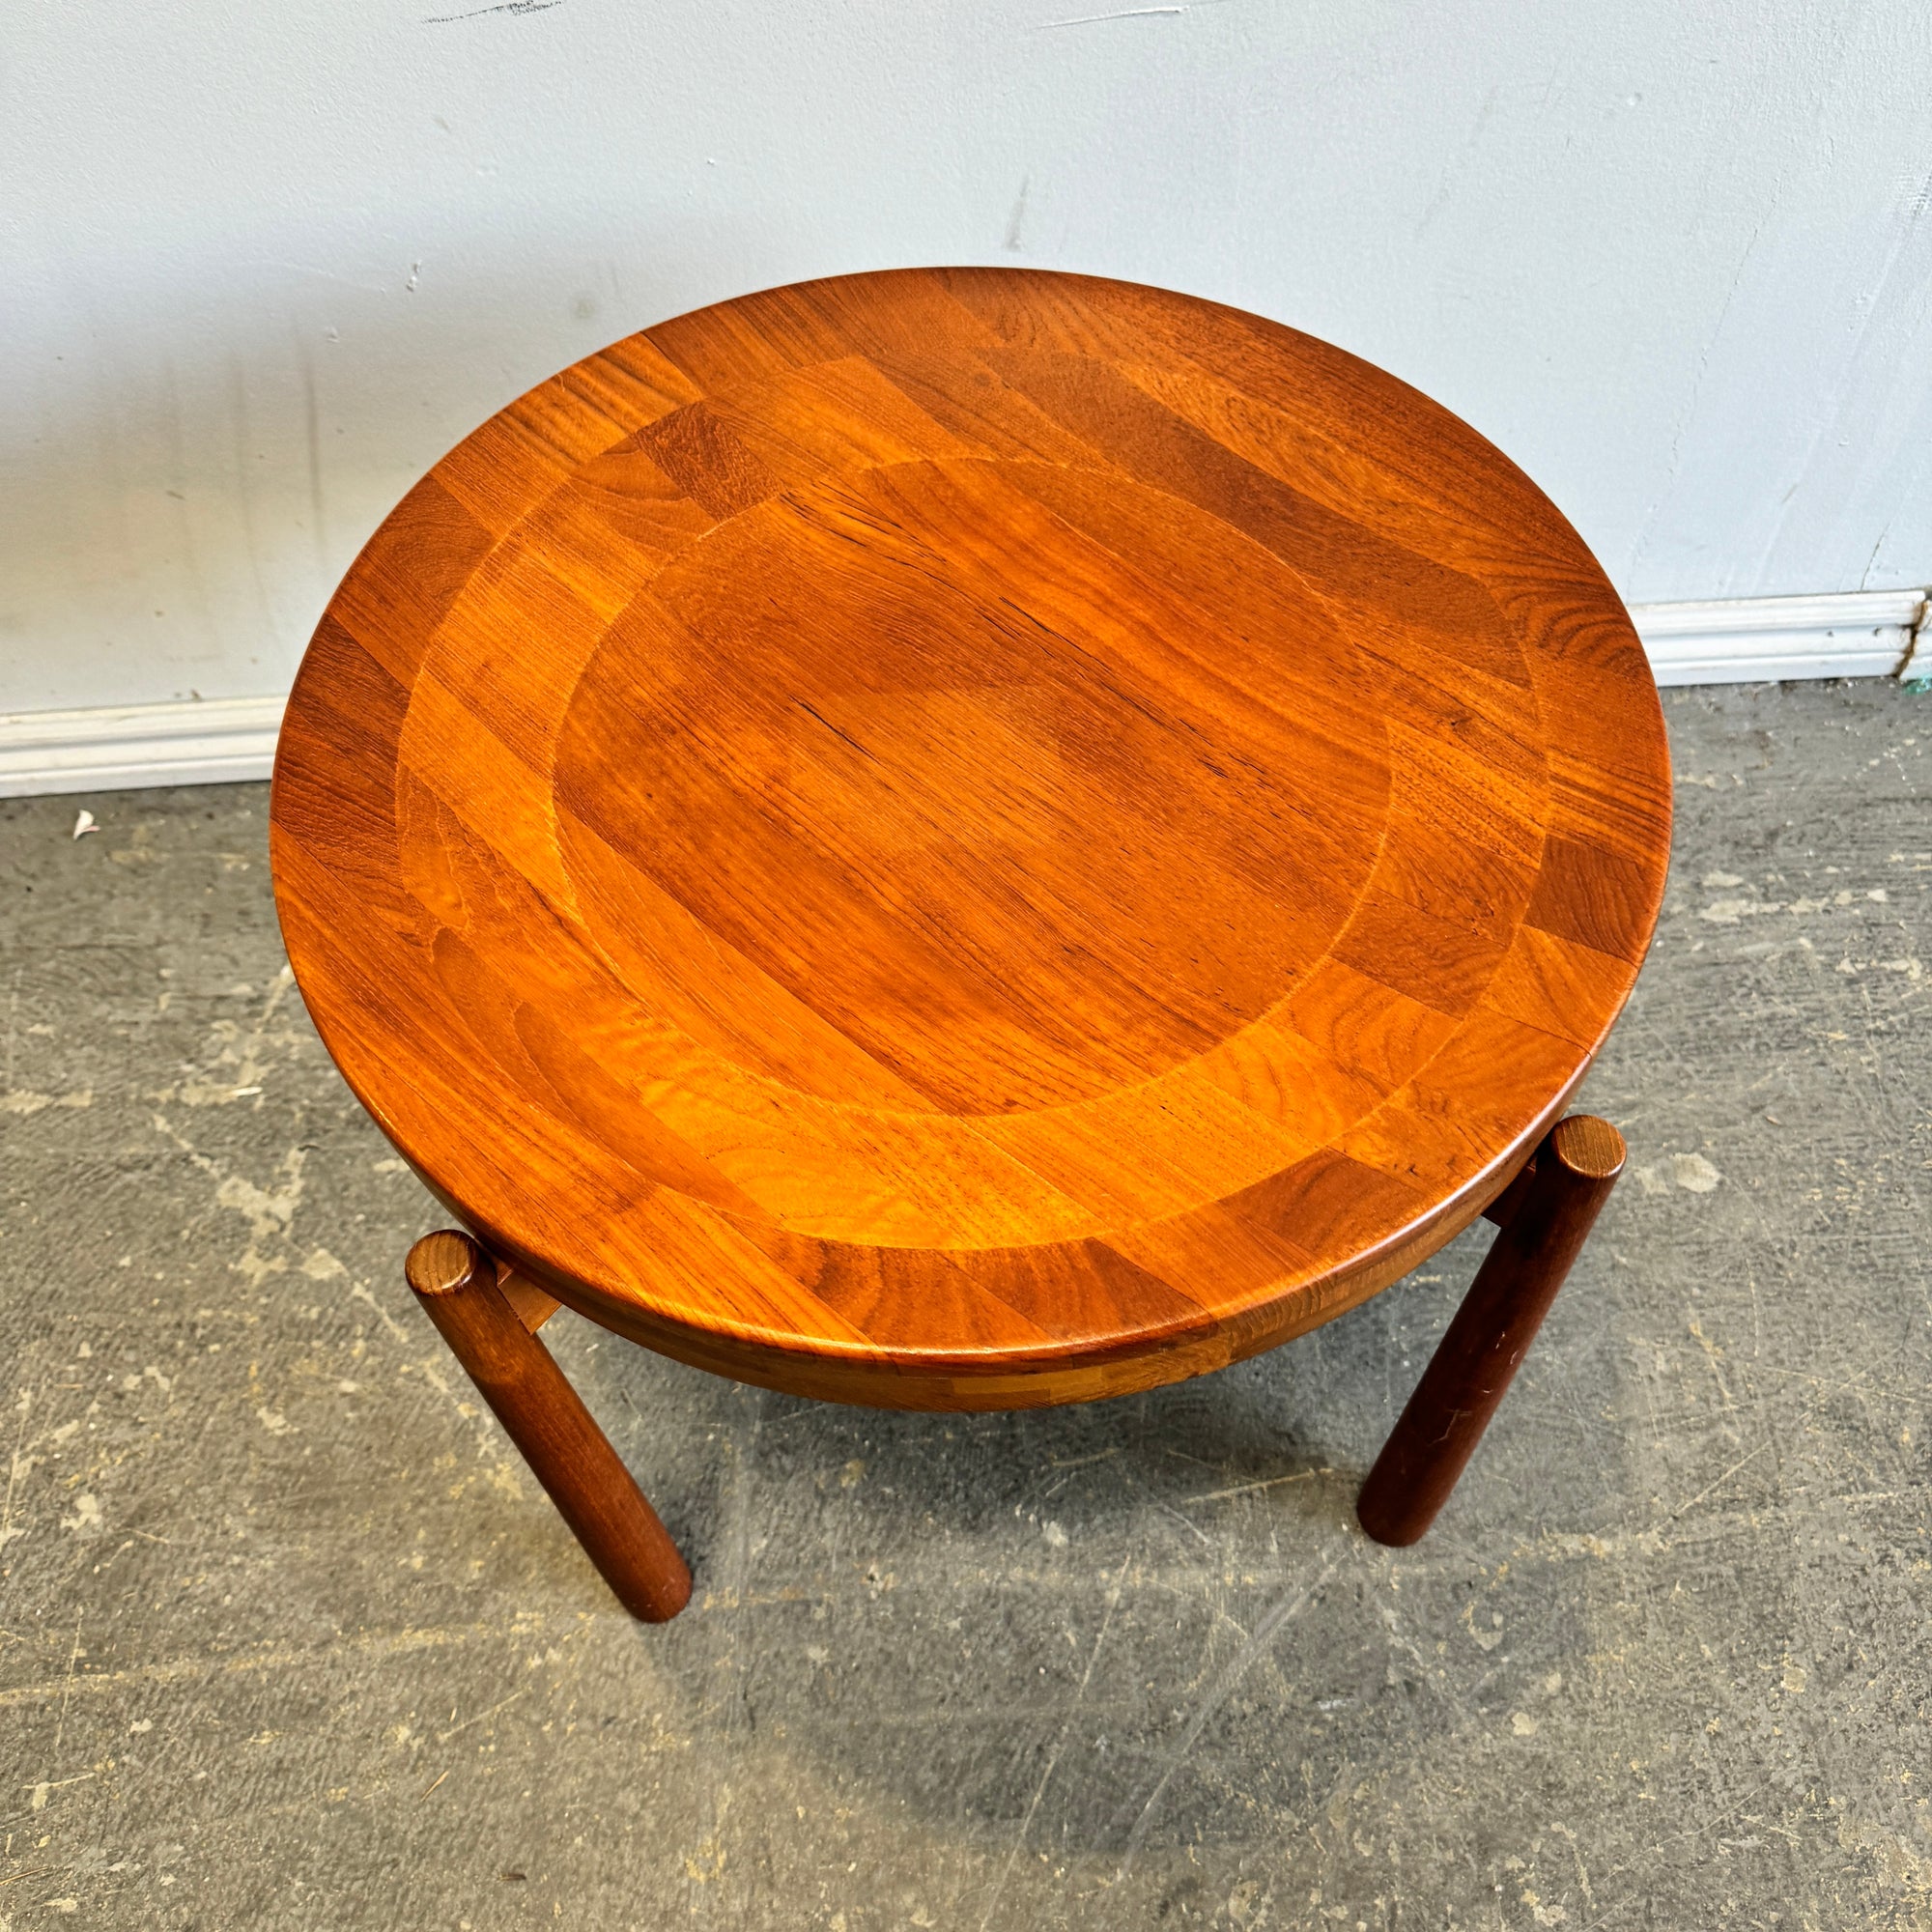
(966, 839)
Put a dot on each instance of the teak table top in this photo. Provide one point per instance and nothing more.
(969, 837)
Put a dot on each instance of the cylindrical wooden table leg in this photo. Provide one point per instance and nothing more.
(568, 1454)
(1575, 1168)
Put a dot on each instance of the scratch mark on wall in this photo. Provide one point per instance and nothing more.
(1018, 217)
(1453, 169)
(1871, 555)
(246, 497)
(1093, 19)
(1681, 425)
(1863, 390)
(503, 7)
(329, 275)
(312, 431)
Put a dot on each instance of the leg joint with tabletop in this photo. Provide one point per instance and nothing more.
(1545, 1214)
(489, 1321)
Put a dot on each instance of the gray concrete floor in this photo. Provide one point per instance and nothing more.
(290, 1638)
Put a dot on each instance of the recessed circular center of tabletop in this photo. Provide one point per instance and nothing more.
(1030, 782)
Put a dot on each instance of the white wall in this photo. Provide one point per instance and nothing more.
(260, 265)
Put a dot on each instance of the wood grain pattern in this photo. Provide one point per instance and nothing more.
(969, 837)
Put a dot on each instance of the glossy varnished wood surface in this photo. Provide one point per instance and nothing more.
(969, 837)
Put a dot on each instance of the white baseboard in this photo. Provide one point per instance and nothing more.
(1733, 640)
(115, 747)
(1753, 639)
